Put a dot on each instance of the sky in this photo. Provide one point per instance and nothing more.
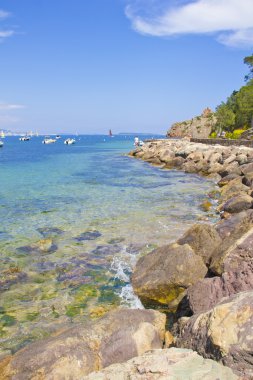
(88, 66)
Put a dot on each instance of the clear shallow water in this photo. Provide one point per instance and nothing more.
(74, 220)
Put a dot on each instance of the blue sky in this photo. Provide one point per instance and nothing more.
(128, 65)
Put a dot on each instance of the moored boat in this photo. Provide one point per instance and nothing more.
(1, 144)
(24, 138)
(48, 140)
(69, 141)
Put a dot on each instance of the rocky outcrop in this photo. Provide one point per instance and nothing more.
(173, 363)
(74, 353)
(198, 127)
(225, 333)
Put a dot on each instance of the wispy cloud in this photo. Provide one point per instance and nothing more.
(8, 114)
(4, 14)
(8, 107)
(5, 32)
(230, 21)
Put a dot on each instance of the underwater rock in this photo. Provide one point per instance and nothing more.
(46, 245)
(88, 235)
(116, 240)
(49, 232)
(11, 276)
(134, 249)
(75, 277)
(44, 266)
(42, 246)
(105, 250)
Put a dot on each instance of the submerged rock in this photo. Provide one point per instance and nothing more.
(115, 338)
(105, 250)
(42, 246)
(49, 232)
(11, 276)
(88, 235)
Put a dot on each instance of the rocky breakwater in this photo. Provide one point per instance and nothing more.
(206, 277)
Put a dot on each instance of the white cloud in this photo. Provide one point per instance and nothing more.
(8, 107)
(4, 33)
(4, 14)
(230, 20)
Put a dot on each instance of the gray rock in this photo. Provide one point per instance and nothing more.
(168, 364)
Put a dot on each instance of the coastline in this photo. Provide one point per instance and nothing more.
(203, 266)
(215, 275)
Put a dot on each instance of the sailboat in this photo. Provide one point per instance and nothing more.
(110, 133)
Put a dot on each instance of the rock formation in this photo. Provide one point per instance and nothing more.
(214, 301)
(198, 127)
(173, 363)
(74, 353)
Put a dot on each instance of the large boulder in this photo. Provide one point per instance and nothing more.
(238, 203)
(173, 363)
(232, 188)
(225, 333)
(230, 231)
(232, 260)
(162, 276)
(74, 353)
(203, 239)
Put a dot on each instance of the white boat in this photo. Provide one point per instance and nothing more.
(69, 141)
(48, 140)
(1, 144)
(24, 138)
(58, 137)
(2, 135)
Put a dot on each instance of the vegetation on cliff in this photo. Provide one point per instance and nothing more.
(237, 112)
(231, 118)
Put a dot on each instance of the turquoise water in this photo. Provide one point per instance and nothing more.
(74, 220)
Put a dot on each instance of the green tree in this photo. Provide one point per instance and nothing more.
(249, 61)
(225, 118)
(244, 102)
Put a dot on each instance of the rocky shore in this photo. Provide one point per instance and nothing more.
(204, 279)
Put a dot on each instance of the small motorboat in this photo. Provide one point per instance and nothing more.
(48, 140)
(1, 144)
(69, 141)
(24, 138)
(58, 137)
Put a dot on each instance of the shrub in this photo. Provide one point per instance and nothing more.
(235, 134)
(213, 135)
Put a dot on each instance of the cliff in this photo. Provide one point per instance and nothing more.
(198, 127)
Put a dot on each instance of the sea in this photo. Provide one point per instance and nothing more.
(74, 221)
